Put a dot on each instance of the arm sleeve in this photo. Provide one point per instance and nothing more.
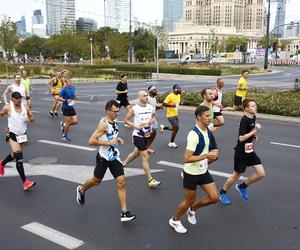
(192, 141)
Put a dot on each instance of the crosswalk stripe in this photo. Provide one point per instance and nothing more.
(61, 144)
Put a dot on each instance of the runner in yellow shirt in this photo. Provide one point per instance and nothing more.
(55, 85)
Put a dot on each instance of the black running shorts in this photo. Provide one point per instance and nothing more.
(192, 181)
(140, 143)
(116, 168)
(69, 111)
(123, 102)
(216, 114)
(237, 100)
(243, 160)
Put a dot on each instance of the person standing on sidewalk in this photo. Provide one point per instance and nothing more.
(142, 115)
(172, 102)
(106, 136)
(245, 155)
(18, 116)
(201, 150)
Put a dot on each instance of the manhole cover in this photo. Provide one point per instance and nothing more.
(43, 160)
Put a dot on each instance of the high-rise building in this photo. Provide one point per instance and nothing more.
(60, 15)
(172, 12)
(118, 14)
(21, 26)
(86, 24)
(38, 26)
(292, 30)
(280, 18)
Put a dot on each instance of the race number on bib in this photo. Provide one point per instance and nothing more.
(249, 148)
(203, 164)
(21, 138)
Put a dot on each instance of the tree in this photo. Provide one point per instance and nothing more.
(8, 36)
(236, 43)
(262, 43)
(283, 44)
(32, 46)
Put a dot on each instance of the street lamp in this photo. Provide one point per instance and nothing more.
(91, 41)
(277, 35)
(130, 35)
(267, 36)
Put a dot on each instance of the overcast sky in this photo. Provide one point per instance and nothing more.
(145, 10)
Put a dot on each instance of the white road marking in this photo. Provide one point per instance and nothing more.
(67, 145)
(35, 112)
(79, 102)
(213, 172)
(73, 173)
(284, 144)
(53, 235)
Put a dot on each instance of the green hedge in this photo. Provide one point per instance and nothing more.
(285, 103)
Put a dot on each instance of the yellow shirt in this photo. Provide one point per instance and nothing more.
(172, 99)
(58, 87)
(243, 82)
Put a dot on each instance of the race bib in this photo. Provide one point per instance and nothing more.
(21, 138)
(71, 102)
(249, 148)
(203, 164)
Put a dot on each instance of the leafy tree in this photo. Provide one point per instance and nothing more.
(31, 46)
(283, 44)
(233, 43)
(8, 36)
(262, 43)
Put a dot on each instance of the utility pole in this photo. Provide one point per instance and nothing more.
(105, 13)
(130, 34)
(277, 35)
(267, 36)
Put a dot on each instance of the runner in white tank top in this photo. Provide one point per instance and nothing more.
(217, 103)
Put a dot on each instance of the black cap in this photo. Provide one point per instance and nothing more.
(16, 95)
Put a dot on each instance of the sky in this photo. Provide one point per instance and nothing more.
(148, 11)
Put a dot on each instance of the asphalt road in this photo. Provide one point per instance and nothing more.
(269, 220)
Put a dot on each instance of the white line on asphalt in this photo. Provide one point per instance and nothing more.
(36, 112)
(213, 172)
(286, 145)
(67, 145)
(80, 102)
(53, 235)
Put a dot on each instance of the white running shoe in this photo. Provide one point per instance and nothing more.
(178, 227)
(172, 145)
(191, 216)
(161, 128)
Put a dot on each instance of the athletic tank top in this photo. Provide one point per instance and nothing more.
(22, 90)
(26, 83)
(57, 86)
(218, 100)
(17, 122)
(110, 153)
(142, 116)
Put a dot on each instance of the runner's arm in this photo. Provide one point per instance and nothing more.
(30, 114)
(248, 135)
(190, 158)
(5, 93)
(4, 111)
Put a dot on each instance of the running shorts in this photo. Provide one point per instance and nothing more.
(116, 168)
(191, 181)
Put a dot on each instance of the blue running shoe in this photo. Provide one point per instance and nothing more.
(243, 192)
(66, 138)
(224, 199)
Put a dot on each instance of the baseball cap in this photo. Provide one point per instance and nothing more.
(16, 95)
(176, 86)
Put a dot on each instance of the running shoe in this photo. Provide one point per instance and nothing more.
(182, 175)
(243, 192)
(28, 184)
(126, 125)
(178, 227)
(153, 183)
(161, 128)
(172, 145)
(51, 113)
(66, 138)
(80, 196)
(56, 114)
(191, 216)
(1, 169)
(150, 150)
(127, 216)
(224, 199)
(62, 127)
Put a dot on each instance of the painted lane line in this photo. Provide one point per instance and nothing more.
(61, 144)
(283, 144)
(35, 112)
(213, 172)
(53, 235)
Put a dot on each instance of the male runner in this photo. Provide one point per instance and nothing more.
(106, 136)
(201, 150)
(55, 85)
(67, 96)
(208, 97)
(172, 102)
(25, 80)
(18, 116)
(142, 115)
(217, 103)
(245, 155)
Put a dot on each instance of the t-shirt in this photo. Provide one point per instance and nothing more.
(68, 93)
(243, 82)
(193, 144)
(172, 99)
(246, 125)
(122, 87)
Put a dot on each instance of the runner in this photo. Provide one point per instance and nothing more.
(18, 116)
(16, 87)
(106, 136)
(201, 150)
(67, 96)
(142, 114)
(152, 101)
(241, 90)
(217, 103)
(245, 155)
(122, 93)
(55, 85)
(20, 71)
(172, 102)
(26, 82)
(208, 97)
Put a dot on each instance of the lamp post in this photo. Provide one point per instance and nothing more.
(277, 35)
(130, 35)
(267, 36)
(91, 41)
